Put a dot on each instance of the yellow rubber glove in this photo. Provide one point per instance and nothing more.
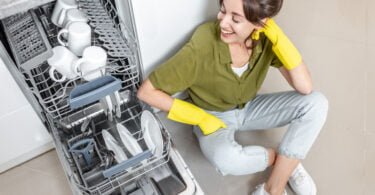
(187, 113)
(282, 46)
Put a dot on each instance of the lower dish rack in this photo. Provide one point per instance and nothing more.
(91, 179)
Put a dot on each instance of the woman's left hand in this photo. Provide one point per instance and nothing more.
(282, 46)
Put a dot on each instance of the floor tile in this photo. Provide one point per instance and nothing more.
(294, 19)
(370, 89)
(347, 16)
(335, 19)
(369, 164)
(47, 163)
(370, 21)
(337, 70)
(336, 162)
(22, 180)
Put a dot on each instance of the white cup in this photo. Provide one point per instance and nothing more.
(78, 35)
(62, 61)
(92, 63)
(74, 15)
(60, 9)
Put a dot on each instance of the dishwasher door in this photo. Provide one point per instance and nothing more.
(82, 129)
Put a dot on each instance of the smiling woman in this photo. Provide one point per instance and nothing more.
(251, 17)
(222, 68)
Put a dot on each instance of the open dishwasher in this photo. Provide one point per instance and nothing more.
(78, 113)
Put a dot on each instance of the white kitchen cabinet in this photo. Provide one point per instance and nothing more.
(23, 135)
(11, 97)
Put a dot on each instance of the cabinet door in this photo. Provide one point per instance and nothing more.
(22, 134)
(11, 96)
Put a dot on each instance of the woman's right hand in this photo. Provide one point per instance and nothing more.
(179, 110)
(154, 97)
(185, 112)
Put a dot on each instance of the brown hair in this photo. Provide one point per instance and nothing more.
(256, 10)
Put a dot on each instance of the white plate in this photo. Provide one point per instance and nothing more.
(128, 140)
(107, 104)
(112, 144)
(116, 101)
(152, 133)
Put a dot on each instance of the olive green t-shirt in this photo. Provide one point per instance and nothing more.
(203, 68)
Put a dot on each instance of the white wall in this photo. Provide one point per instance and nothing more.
(164, 26)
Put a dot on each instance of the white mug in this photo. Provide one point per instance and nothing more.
(78, 35)
(60, 9)
(62, 61)
(92, 63)
(74, 15)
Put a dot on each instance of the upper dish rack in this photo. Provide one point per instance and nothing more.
(122, 62)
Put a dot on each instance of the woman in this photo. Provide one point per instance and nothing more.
(222, 67)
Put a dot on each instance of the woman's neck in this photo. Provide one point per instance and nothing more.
(239, 53)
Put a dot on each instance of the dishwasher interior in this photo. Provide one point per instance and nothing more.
(81, 114)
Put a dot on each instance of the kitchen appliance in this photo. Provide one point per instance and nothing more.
(75, 115)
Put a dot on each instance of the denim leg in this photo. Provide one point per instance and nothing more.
(305, 115)
(228, 156)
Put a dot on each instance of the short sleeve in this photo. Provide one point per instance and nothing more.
(178, 72)
(276, 63)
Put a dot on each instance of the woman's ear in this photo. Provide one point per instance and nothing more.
(258, 27)
(264, 20)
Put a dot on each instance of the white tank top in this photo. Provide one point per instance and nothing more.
(239, 71)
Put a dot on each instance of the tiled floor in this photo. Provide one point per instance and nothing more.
(42, 175)
(344, 166)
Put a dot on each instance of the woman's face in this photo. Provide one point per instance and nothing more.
(234, 26)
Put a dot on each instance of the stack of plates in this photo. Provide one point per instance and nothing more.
(113, 145)
(151, 135)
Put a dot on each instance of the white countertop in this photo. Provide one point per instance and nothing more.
(10, 7)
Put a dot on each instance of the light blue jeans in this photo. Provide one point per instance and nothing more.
(305, 115)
